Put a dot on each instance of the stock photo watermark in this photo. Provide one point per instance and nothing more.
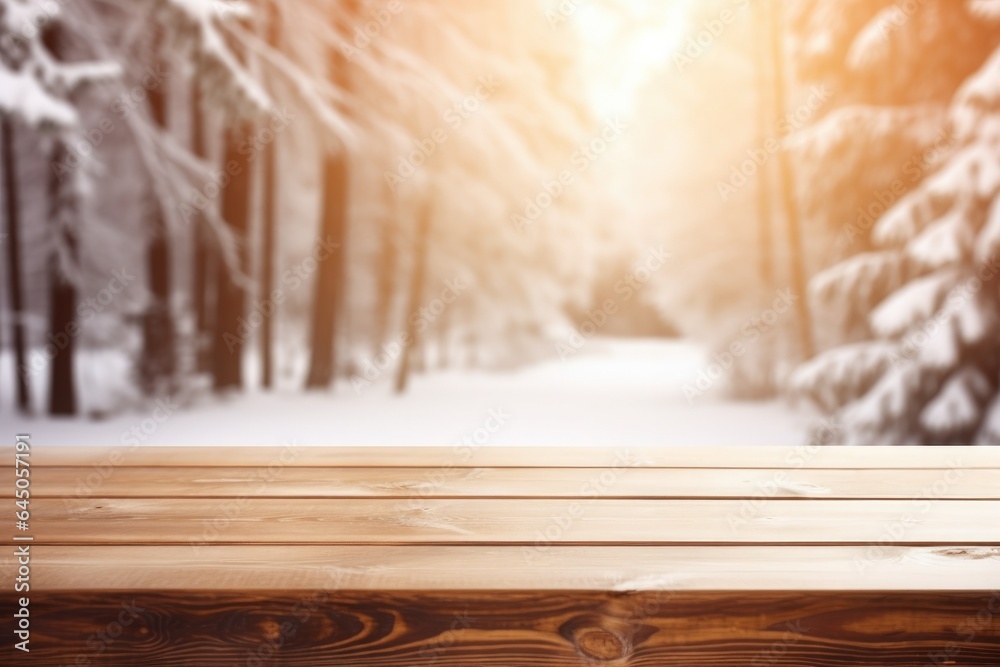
(87, 310)
(124, 105)
(456, 116)
(201, 199)
(292, 279)
(697, 45)
(590, 491)
(553, 189)
(626, 289)
(757, 158)
(420, 321)
(751, 331)
(364, 35)
(914, 169)
(895, 532)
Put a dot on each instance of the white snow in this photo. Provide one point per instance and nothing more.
(854, 277)
(989, 432)
(613, 392)
(972, 321)
(38, 90)
(988, 242)
(23, 96)
(985, 9)
(945, 243)
(969, 171)
(913, 304)
(886, 401)
(201, 17)
(903, 221)
(958, 406)
(839, 373)
(942, 349)
(871, 46)
(979, 94)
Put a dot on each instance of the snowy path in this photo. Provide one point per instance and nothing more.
(614, 392)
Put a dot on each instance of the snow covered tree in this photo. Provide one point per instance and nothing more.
(407, 72)
(370, 85)
(889, 77)
(786, 181)
(235, 74)
(329, 289)
(214, 37)
(209, 42)
(921, 301)
(38, 84)
(766, 118)
(270, 20)
(12, 238)
(203, 253)
(158, 365)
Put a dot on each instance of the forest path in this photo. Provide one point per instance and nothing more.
(611, 392)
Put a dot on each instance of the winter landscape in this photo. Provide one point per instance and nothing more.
(517, 222)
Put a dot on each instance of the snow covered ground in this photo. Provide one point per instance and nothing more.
(611, 392)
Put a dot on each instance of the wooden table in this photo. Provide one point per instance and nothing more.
(471, 556)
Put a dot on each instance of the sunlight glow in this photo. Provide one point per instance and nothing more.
(626, 41)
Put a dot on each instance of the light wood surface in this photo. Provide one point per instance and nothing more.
(663, 483)
(709, 557)
(474, 521)
(291, 455)
(512, 568)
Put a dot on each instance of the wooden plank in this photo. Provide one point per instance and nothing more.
(805, 456)
(595, 521)
(509, 568)
(510, 557)
(506, 483)
(531, 629)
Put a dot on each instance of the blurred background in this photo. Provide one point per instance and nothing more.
(523, 222)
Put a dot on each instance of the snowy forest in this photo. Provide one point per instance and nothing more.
(526, 222)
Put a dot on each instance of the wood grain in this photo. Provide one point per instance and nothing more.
(421, 567)
(806, 456)
(661, 483)
(540, 629)
(591, 521)
(722, 557)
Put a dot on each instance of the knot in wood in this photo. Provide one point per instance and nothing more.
(270, 629)
(599, 644)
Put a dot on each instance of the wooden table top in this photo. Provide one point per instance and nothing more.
(881, 552)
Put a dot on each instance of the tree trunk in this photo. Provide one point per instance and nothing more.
(13, 205)
(443, 327)
(385, 287)
(412, 340)
(268, 249)
(788, 193)
(64, 217)
(329, 288)
(159, 362)
(158, 356)
(204, 259)
(329, 278)
(206, 269)
(765, 119)
(63, 330)
(229, 337)
(62, 308)
(267, 267)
